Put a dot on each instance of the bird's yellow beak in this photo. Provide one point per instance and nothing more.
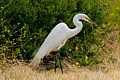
(92, 22)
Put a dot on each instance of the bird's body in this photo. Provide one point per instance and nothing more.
(57, 38)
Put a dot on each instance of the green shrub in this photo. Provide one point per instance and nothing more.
(26, 23)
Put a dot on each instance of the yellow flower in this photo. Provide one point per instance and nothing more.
(77, 63)
(76, 48)
(117, 8)
(8, 31)
(86, 57)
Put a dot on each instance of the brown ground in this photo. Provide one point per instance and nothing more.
(22, 72)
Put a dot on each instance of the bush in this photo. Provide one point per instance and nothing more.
(26, 23)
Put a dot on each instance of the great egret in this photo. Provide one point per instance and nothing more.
(58, 37)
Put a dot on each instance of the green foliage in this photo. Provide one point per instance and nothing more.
(26, 23)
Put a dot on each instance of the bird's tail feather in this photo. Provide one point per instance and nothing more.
(35, 63)
(37, 59)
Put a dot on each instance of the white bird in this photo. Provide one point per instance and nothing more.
(58, 37)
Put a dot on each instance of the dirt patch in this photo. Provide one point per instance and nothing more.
(113, 45)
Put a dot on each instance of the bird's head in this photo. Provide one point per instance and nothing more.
(86, 18)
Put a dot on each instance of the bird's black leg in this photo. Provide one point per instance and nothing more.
(58, 56)
(58, 53)
(55, 63)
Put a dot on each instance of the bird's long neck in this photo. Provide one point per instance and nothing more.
(78, 25)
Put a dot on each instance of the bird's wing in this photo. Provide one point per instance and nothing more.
(57, 37)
